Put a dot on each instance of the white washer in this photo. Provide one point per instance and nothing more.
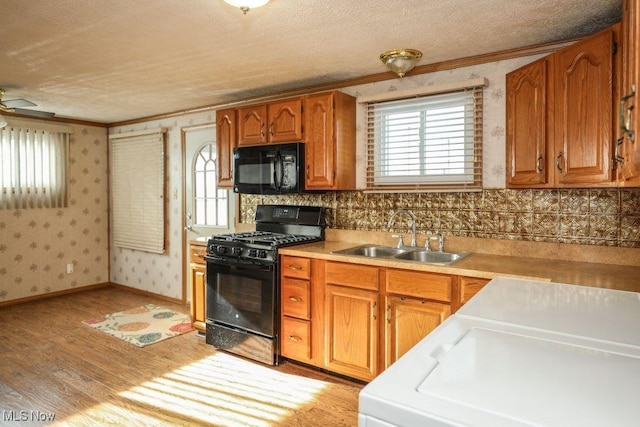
(520, 353)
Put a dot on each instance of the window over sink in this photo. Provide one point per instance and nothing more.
(426, 141)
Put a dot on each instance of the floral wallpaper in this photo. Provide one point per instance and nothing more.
(37, 244)
(160, 274)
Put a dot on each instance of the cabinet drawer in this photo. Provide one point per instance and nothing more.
(296, 339)
(353, 275)
(197, 253)
(295, 298)
(419, 284)
(298, 268)
(469, 286)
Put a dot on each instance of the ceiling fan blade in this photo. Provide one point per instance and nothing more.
(34, 113)
(18, 103)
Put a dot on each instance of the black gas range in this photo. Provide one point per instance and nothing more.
(276, 226)
(243, 295)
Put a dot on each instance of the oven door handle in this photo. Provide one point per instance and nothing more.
(245, 265)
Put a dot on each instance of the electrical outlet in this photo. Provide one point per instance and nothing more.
(70, 268)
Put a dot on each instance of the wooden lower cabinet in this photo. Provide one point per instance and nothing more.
(351, 331)
(355, 319)
(469, 286)
(409, 320)
(198, 286)
(296, 339)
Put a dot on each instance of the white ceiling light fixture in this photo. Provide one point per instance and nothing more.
(400, 61)
(246, 5)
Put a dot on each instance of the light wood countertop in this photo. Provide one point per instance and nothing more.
(626, 278)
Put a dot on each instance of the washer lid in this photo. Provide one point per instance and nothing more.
(535, 379)
(603, 314)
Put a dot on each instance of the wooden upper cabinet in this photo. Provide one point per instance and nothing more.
(629, 107)
(275, 122)
(330, 141)
(285, 121)
(584, 116)
(560, 118)
(225, 143)
(529, 130)
(252, 125)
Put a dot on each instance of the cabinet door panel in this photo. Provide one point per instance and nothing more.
(469, 286)
(351, 334)
(528, 138)
(296, 267)
(584, 110)
(296, 301)
(419, 284)
(409, 320)
(296, 339)
(225, 143)
(285, 121)
(320, 147)
(198, 296)
(252, 122)
(630, 148)
(354, 275)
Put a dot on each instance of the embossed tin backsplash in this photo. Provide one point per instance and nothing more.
(608, 217)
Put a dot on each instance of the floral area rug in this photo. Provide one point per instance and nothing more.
(143, 325)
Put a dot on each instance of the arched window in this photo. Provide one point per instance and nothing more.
(210, 203)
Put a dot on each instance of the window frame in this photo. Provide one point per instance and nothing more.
(409, 100)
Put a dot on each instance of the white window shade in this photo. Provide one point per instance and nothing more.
(138, 190)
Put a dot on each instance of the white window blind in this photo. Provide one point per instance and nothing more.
(33, 168)
(426, 142)
(138, 190)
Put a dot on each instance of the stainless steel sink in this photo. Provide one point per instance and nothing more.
(372, 251)
(407, 254)
(432, 257)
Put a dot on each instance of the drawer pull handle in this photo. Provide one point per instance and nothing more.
(294, 267)
(295, 299)
(294, 338)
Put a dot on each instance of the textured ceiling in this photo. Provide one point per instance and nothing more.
(117, 60)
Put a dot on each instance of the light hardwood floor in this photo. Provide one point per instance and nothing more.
(50, 363)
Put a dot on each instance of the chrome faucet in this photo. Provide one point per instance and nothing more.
(439, 237)
(413, 225)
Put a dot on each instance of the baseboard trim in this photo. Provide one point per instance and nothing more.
(54, 294)
(147, 293)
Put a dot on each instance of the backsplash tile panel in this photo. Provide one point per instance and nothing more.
(600, 217)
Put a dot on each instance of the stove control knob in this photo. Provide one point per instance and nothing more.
(262, 254)
(221, 249)
(236, 251)
(253, 252)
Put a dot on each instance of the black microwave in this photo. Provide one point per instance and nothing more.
(269, 169)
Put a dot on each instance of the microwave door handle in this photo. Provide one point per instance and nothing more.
(277, 166)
